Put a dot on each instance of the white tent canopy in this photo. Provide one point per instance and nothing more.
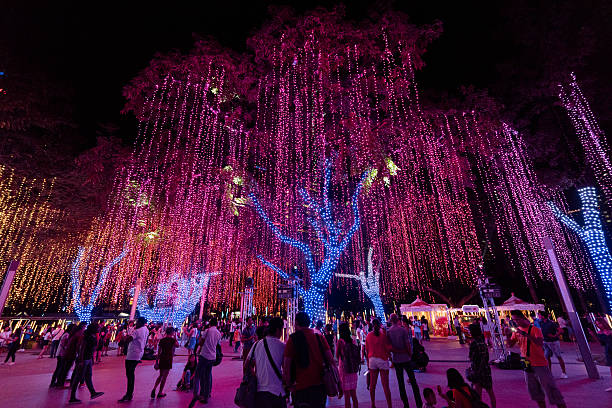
(515, 303)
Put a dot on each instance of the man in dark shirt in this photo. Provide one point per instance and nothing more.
(401, 356)
(84, 363)
(248, 337)
(551, 331)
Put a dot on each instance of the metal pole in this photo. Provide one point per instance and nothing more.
(583, 345)
(7, 282)
(135, 300)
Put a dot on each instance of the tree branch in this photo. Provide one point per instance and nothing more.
(573, 225)
(104, 273)
(355, 205)
(327, 210)
(74, 277)
(282, 237)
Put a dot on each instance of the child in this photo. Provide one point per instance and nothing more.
(430, 398)
(236, 340)
(188, 372)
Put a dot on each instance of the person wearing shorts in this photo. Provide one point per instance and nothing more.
(377, 349)
(539, 379)
(552, 346)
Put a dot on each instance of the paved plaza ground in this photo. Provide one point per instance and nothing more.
(26, 383)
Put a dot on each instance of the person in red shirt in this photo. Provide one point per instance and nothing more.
(540, 382)
(303, 354)
(378, 352)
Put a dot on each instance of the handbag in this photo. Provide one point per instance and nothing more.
(331, 378)
(245, 394)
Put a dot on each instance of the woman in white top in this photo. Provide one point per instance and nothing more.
(417, 329)
(46, 342)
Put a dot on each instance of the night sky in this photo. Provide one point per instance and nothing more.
(96, 50)
(93, 50)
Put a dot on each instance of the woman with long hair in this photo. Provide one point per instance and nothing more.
(61, 351)
(349, 356)
(14, 343)
(46, 341)
(479, 372)
(377, 349)
(463, 395)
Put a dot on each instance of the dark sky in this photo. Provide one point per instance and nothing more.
(96, 48)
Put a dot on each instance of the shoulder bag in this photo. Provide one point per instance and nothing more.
(245, 394)
(272, 363)
(331, 378)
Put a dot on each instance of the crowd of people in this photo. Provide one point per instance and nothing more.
(292, 367)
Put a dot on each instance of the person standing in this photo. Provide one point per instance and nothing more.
(232, 330)
(46, 342)
(13, 345)
(248, 337)
(207, 346)
(479, 372)
(377, 349)
(5, 337)
(416, 323)
(401, 356)
(165, 355)
(552, 345)
(61, 351)
(348, 355)
(135, 350)
(56, 335)
(268, 356)
(425, 328)
(540, 382)
(192, 338)
(236, 339)
(84, 364)
(604, 336)
(563, 327)
(71, 352)
(458, 329)
(307, 352)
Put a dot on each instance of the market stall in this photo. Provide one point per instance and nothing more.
(436, 314)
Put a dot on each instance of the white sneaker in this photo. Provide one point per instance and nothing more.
(563, 376)
(609, 389)
(11, 363)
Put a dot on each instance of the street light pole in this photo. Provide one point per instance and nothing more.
(583, 345)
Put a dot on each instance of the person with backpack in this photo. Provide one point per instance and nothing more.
(84, 363)
(401, 356)
(202, 384)
(479, 371)
(306, 355)
(377, 349)
(348, 353)
(540, 382)
(268, 357)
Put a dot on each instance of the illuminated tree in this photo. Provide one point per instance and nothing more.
(328, 232)
(174, 299)
(370, 284)
(84, 311)
(592, 235)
